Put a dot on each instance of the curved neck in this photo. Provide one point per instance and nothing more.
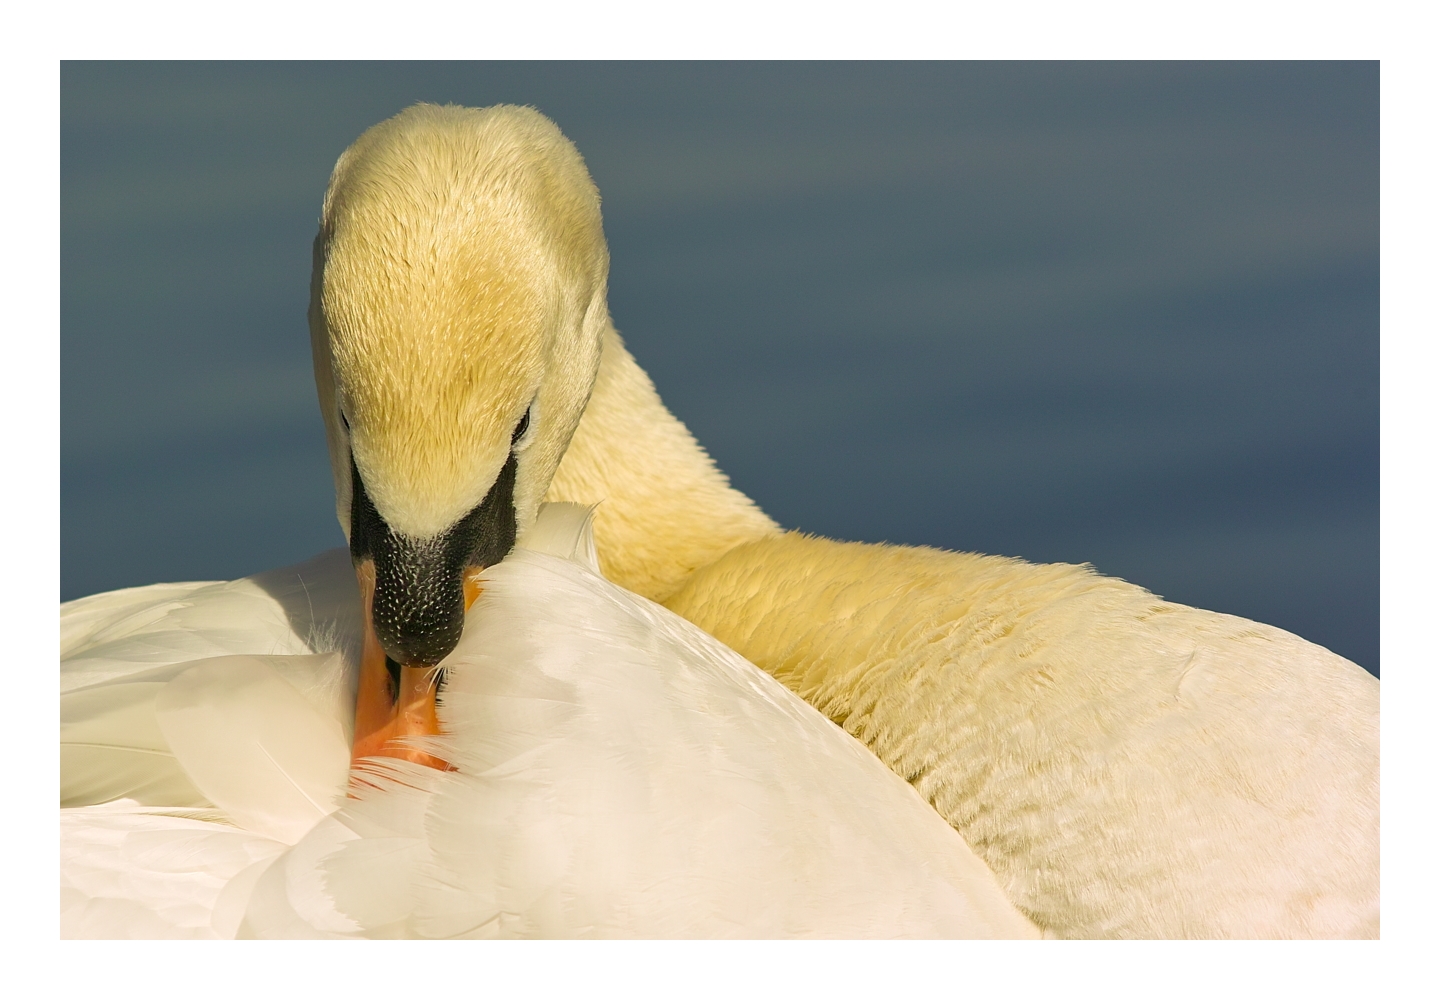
(665, 509)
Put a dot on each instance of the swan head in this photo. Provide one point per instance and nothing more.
(457, 310)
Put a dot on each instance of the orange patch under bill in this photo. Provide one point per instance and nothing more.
(472, 585)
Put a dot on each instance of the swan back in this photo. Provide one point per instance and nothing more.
(1128, 767)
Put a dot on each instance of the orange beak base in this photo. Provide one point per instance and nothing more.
(392, 711)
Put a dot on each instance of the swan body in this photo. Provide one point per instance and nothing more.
(619, 773)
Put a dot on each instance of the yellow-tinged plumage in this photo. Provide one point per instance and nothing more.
(460, 272)
(461, 276)
(1126, 766)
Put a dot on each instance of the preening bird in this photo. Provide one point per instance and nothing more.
(1125, 766)
(614, 772)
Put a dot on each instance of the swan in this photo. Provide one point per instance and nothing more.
(614, 772)
(1123, 765)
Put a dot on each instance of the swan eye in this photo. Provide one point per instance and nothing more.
(521, 427)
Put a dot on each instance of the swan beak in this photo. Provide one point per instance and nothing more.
(395, 703)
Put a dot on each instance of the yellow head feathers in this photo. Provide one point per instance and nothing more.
(460, 277)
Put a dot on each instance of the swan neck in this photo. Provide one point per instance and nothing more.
(664, 510)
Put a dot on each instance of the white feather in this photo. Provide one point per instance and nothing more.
(620, 774)
(252, 743)
(131, 871)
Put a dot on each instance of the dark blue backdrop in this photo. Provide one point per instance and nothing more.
(1114, 313)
